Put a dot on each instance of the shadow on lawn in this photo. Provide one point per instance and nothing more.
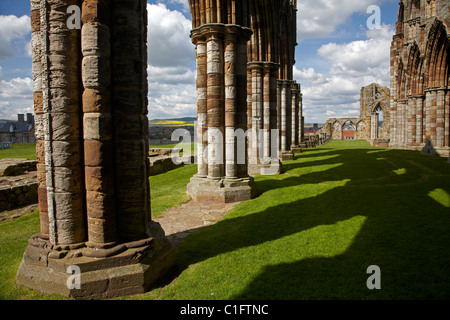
(405, 231)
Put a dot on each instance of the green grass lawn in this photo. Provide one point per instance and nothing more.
(25, 150)
(311, 233)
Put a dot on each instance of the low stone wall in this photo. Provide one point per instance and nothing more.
(380, 143)
(161, 160)
(16, 167)
(18, 191)
(163, 164)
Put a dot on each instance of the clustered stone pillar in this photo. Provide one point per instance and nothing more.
(285, 108)
(97, 128)
(39, 116)
(296, 124)
(62, 125)
(94, 124)
(300, 118)
(227, 177)
(374, 126)
(263, 115)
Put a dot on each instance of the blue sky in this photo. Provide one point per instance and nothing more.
(336, 55)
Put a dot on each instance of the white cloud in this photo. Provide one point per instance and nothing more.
(13, 28)
(319, 18)
(169, 43)
(352, 66)
(16, 96)
(171, 63)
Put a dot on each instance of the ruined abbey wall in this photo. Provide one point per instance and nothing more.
(420, 96)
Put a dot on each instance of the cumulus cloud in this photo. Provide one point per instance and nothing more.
(171, 63)
(16, 96)
(352, 66)
(319, 18)
(13, 29)
(169, 43)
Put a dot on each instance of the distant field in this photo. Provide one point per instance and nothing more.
(170, 123)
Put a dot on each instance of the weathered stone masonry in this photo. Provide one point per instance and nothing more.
(420, 96)
(92, 133)
(90, 95)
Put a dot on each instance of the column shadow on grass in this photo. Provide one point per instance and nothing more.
(405, 231)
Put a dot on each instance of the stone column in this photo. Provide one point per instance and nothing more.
(393, 124)
(447, 119)
(433, 113)
(249, 113)
(257, 113)
(430, 116)
(300, 117)
(374, 126)
(283, 117)
(230, 44)
(411, 121)
(241, 121)
(62, 125)
(98, 125)
(129, 77)
(279, 90)
(285, 152)
(264, 118)
(226, 112)
(94, 89)
(215, 104)
(293, 115)
(36, 56)
(440, 118)
(419, 119)
(202, 145)
(267, 103)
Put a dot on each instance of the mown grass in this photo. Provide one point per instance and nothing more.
(25, 150)
(311, 233)
(314, 230)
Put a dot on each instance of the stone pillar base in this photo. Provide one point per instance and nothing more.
(272, 168)
(286, 155)
(296, 149)
(221, 190)
(131, 271)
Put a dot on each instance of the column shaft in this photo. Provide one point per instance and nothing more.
(62, 124)
(36, 57)
(98, 124)
(440, 118)
(230, 106)
(294, 117)
(419, 119)
(202, 143)
(129, 79)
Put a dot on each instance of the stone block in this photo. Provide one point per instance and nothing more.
(98, 153)
(95, 39)
(99, 179)
(96, 72)
(221, 190)
(96, 100)
(97, 126)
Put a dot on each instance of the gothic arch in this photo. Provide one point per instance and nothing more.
(437, 58)
(414, 75)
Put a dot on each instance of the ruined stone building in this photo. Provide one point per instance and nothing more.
(420, 96)
(416, 116)
(373, 122)
(90, 99)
